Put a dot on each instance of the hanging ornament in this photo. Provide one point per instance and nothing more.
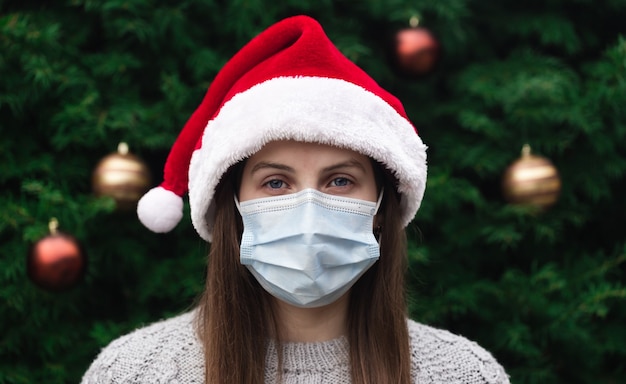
(416, 50)
(122, 176)
(531, 181)
(56, 262)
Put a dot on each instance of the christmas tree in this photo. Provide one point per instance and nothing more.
(544, 291)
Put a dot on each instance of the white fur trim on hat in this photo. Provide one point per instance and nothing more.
(310, 109)
(160, 210)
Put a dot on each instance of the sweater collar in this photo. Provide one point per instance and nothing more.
(316, 356)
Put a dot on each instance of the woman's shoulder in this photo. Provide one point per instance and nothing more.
(163, 352)
(439, 356)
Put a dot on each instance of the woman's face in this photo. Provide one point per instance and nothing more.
(284, 167)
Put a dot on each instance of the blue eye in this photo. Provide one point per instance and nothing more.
(275, 184)
(340, 182)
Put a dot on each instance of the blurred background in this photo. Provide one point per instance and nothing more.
(524, 254)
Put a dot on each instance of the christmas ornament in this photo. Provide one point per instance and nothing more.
(531, 181)
(416, 50)
(122, 176)
(57, 261)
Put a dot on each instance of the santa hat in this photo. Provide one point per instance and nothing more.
(288, 83)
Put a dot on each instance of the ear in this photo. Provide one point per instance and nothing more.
(377, 231)
(377, 227)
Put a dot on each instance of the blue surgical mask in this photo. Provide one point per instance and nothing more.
(308, 248)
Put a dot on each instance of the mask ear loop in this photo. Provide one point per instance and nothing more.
(237, 203)
(379, 228)
(380, 199)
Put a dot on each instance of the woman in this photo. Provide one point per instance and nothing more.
(302, 172)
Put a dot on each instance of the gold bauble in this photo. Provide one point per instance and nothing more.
(122, 176)
(531, 181)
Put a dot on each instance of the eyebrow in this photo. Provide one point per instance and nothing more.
(265, 164)
(352, 163)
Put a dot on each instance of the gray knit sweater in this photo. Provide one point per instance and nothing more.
(169, 352)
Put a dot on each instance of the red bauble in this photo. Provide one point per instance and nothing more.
(56, 262)
(416, 51)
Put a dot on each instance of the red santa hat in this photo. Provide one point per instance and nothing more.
(288, 83)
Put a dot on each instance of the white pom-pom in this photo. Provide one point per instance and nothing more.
(160, 210)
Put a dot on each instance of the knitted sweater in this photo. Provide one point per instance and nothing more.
(170, 352)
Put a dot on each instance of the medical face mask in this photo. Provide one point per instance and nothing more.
(308, 248)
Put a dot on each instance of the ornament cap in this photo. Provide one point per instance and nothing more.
(53, 225)
(160, 210)
(122, 148)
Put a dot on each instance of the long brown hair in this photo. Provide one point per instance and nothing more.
(236, 315)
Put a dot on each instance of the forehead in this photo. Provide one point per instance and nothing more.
(295, 152)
